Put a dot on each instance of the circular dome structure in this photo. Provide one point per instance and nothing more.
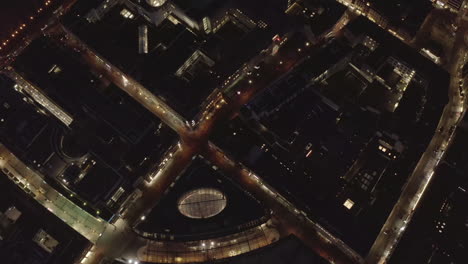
(202, 203)
(156, 3)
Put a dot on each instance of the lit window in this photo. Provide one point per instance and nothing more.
(348, 204)
(127, 14)
(55, 69)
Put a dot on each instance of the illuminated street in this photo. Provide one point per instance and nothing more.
(33, 184)
(417, 184)
(124, 82)
(294, 220)
(178, 158)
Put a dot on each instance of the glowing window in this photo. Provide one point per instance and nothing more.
(348, 204)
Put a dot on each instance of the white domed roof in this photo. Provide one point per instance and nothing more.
(202, 203)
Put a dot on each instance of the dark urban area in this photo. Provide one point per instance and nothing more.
(233, 131)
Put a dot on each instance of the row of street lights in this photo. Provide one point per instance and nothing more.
(22, 26)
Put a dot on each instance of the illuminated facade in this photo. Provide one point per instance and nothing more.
(40, 98)
(452, 5)
(143, 39)
(188, 70)
(238, 18)
(156, 3)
